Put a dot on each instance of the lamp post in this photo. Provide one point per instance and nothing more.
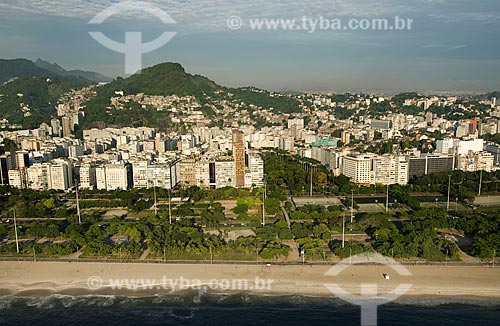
(78, 206)
(311, 179)
(449, 189)
(480, 182)
(169, 207)
(343, 228)
(154, 191)
(264, 203)
(352, 205)
(15, 231)
(387, 199)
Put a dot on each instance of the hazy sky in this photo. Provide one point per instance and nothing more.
(453, 45)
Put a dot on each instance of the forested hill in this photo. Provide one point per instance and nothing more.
(171, 79)
(39, 94)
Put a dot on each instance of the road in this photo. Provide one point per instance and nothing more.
(324, 201)
(487, 201)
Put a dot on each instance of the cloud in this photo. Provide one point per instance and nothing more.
(457, 47)
(213, 13)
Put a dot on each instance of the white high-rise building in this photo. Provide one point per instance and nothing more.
(38, 176)
(22, 160)
(147, 175)
(56, 174)
(473, 162)
(225, 171)
(60, 175)
(187, 173)
(56, 127)
(402, 170)
(446, 146)
(87, 176)
(140, 174)
(114, 176)
(255, 171)
(75, 151)
(459, 147)
(286, 144)
(202, 174)
(100, 177)
(373, 169)
(18, 178)
(358, 169)
(462, 130)
(464, 147)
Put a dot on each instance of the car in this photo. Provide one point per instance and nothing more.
(387, 276)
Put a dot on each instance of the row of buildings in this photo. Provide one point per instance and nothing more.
(451, 154)
(239, 168)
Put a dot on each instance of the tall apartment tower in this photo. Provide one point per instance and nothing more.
(20, 159)
(56, 127)
(4, 168)
(239, 158)
(66, 127)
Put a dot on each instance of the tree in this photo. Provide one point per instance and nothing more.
(272, 206)
(50, 203)
(240, 209)
(266, 232)
(322, 178)
(95, 234)
(300, 230)
(273, 250)
(350, 249)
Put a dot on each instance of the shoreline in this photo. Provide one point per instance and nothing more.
(25, 279)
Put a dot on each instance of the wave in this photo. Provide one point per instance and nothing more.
(179, 303)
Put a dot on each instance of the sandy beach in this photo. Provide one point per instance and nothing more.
(45, 278)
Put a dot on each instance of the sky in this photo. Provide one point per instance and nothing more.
(453, 45)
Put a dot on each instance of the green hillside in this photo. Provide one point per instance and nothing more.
(38, 93)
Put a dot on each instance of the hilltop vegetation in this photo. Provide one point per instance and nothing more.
(168, 79)
(36, 93)
(21, 68)
(60, 71)
(171, 79)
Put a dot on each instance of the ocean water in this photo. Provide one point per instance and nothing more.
(236, 310)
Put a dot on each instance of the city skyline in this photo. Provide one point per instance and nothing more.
(450, 47)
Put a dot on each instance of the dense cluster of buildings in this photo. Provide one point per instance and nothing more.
(226, 154)
(112, 159)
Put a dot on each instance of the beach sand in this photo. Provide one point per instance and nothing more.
(75, 278)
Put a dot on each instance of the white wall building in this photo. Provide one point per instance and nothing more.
(114, 176)
(374, 169)
(358, 168)
(61, 175)
(466, 146)
(56, 174)
(483, 161)
(87, 173)
(255, 172)
(446, 145)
